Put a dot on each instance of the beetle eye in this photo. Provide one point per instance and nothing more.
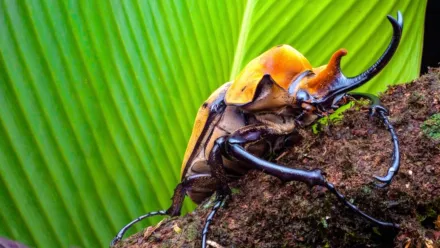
(302, 96)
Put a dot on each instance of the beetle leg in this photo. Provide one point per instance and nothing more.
(386, 180)
(215, 162)
(217, 204)
(126, 227)
(178, 197)
(376, 108)
(310, 177)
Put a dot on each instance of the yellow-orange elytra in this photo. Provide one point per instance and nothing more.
(282, 63)
(199, 124)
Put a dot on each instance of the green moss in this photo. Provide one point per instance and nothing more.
(210, 203)
(366, 190)
(324, 222)
(431, 127)
(376, 231)
(191, 232)
(428, 213)
(338, 115)
(416, 97)
(235, 191)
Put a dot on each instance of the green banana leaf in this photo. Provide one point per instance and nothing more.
(98, 97)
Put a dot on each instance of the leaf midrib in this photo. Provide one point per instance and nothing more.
(242, 38)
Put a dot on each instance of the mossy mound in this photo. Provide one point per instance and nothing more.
(265, 212)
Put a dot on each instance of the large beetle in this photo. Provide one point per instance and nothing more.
(259, 113)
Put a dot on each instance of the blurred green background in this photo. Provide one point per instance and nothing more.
(98, 97)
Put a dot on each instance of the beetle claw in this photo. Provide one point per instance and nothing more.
(385, 180)
(376, 108)
(224, 192)
(384, 183)
(115, 241)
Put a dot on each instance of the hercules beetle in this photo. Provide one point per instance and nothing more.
(259, 113)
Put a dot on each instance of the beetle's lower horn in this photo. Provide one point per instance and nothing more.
(354, 82)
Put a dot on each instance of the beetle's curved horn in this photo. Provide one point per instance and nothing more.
(354, 82)
(330, 81)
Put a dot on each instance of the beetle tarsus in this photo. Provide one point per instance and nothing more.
(217, 204)
(386, 180)
(377, 109)
(178, 196)
(126, 227)
(355, 209)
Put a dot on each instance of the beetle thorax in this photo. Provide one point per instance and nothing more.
(281, 120)
(273, 106)
(269, 97)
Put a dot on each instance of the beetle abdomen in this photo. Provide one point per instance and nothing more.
(214, 120)
(228, 122)
(206, 115)
(224, 124)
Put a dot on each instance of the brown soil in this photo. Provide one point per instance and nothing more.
(265, 212)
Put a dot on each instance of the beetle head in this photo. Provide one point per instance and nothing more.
(317, 90)
(282, 77)
(320, 89)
